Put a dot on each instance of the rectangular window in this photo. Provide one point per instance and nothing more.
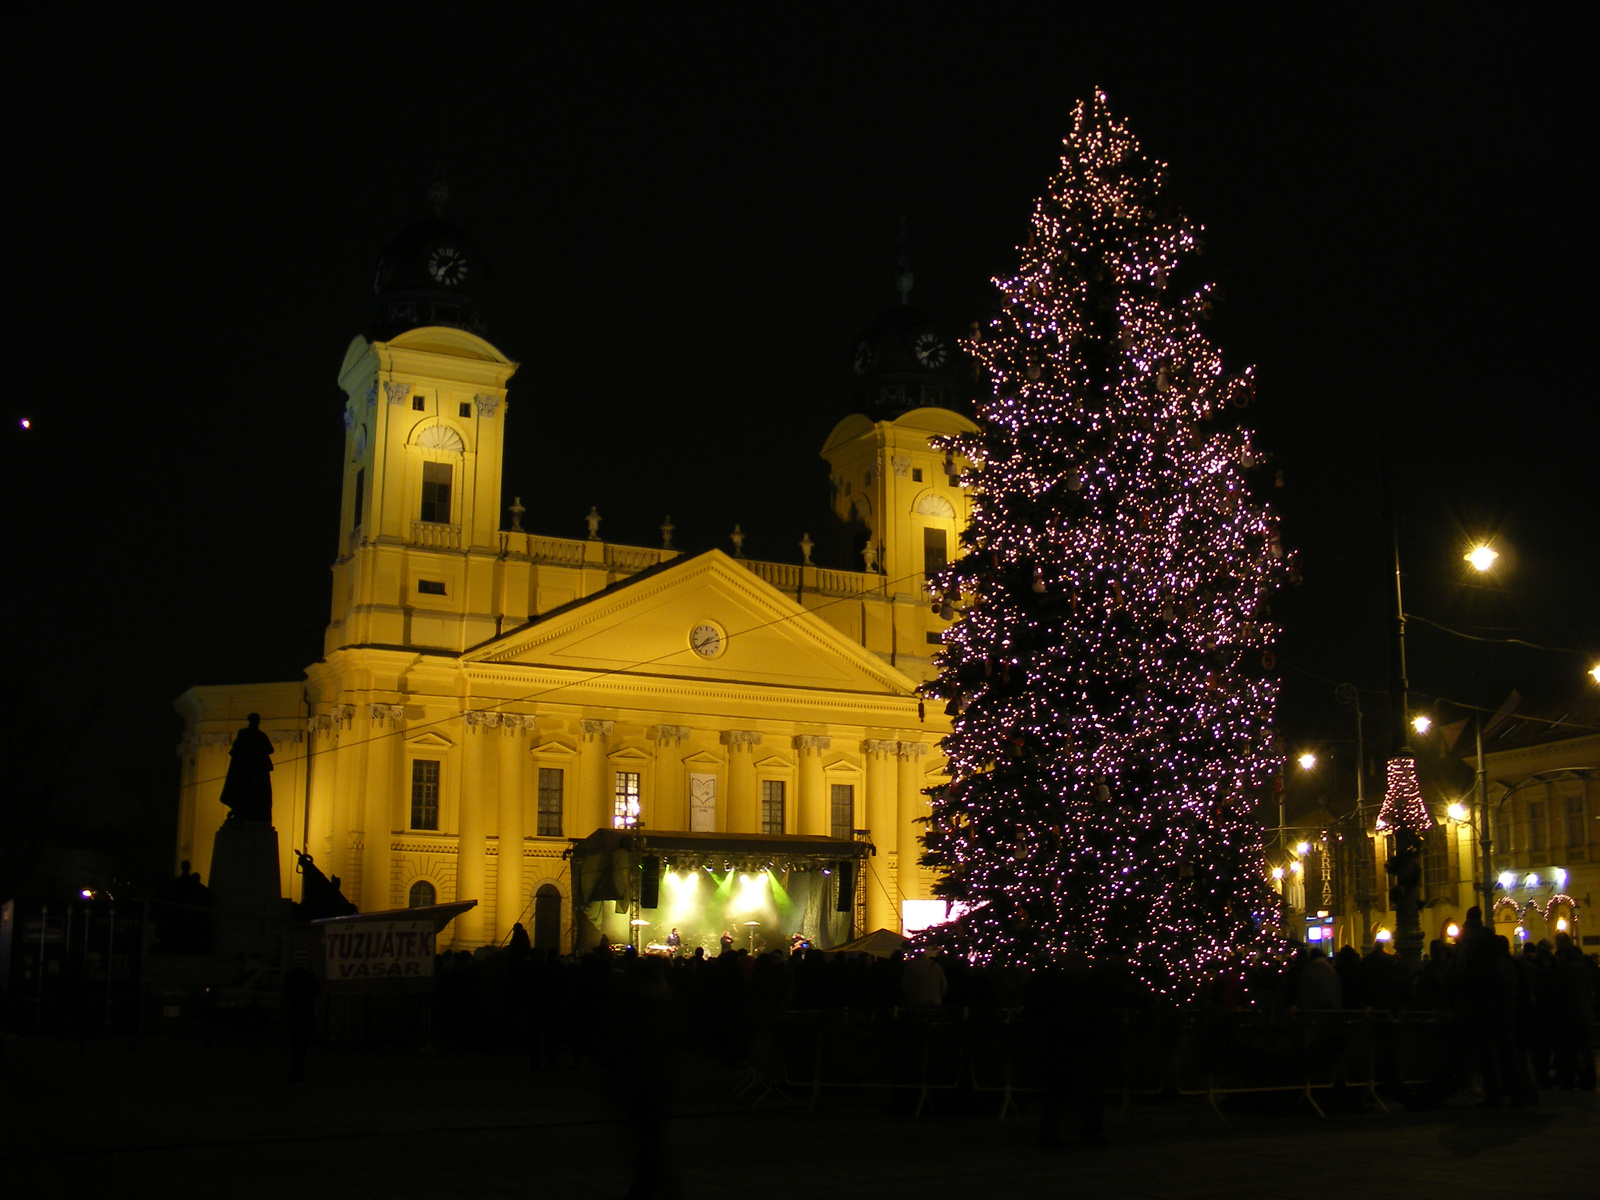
(916, 474)
(424, 794)
(844, 810)
(551, 782)
(933, 551)
(625, 808)
(436, 492)
(1538, 832)
(466, 410)
(1577, 828)
(1436, 864)
(417, 403)
(1502, 829)
(772, 806)
(430, 587)
(935, 639)
(361, 498)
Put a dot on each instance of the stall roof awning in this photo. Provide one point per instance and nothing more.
(721, 845)
(440, 914)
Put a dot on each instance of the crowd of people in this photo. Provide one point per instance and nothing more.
(1525, 1020)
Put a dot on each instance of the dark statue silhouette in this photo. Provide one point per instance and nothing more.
(319, 896)
(248, 788)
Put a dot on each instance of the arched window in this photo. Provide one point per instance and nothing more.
(422, 895)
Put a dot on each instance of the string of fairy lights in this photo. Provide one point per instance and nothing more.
(1112, 684)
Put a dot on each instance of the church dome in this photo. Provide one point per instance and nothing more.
(432, 274)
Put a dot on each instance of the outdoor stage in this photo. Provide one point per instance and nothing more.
(633, 887)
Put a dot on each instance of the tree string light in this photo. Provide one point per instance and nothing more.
(1111, 680)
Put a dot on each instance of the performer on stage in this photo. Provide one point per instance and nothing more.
(727, 941)
(674, 940)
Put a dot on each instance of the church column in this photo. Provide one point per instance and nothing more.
(883, 905)
(470, 846)
(513, 807)
(384, 745)
(911, 804)
(670, 805)
(595, 797)
(346, 797)
(814, 815)
(744, 811)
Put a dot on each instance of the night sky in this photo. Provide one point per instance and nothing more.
(689, 221)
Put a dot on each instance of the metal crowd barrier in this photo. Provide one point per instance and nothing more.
(1214, 1055)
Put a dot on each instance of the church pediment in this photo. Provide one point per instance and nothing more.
(704, 617)
(430, 741)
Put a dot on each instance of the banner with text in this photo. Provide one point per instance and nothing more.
(378, 950)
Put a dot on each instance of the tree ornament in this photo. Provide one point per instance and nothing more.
(1038, 581)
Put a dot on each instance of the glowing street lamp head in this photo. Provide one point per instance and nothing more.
(1457, 812)
(1421, 723)
(1277, 872)
(1303, 848)
(1481, 557)
(1594, 672)
(1452, 931)
(1507, 879)
(1560, 876)
(1307, 761)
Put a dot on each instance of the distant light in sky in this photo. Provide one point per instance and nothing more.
(25, 423)
(1481, 557)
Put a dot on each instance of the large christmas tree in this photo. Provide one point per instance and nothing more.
(1111, 681)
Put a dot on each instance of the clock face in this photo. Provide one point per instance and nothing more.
(863, 358)
(447, 265)
(706, 640)
(929, 350)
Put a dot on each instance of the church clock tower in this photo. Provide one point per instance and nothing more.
(424, 419)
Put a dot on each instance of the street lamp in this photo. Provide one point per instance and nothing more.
(1481, 557)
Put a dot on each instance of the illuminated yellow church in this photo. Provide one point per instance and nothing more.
(488, 694)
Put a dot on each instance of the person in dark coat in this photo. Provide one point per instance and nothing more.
(1069, 1026)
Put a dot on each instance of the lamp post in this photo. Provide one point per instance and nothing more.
(1403, 814)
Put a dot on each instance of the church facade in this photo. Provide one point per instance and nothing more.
(489, 695)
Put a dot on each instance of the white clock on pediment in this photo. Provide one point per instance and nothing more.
(707, 640)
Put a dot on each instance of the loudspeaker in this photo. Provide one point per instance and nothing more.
(650, 882)
(846, 898)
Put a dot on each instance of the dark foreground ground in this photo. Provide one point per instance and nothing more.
(190, 1118)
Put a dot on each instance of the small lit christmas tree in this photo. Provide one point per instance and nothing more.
(1111, 682)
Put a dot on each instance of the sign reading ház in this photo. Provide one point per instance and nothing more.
(379, 950)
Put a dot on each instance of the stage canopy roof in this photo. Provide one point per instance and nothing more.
(715, 848)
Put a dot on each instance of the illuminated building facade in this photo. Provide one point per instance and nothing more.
(486, 693)
(1543, 788)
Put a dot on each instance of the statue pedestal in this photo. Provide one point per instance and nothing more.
(248, 913)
